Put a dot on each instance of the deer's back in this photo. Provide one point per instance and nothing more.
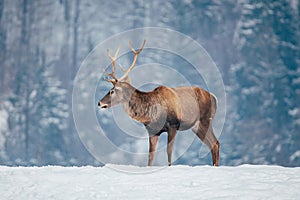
(181, 107)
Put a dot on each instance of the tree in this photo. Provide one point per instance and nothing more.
(2, 47)
(50, 116)
(38, 105)
(266, 38)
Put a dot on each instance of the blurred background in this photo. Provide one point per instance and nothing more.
(256, 46)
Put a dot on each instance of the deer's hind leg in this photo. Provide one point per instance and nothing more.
(204, 130)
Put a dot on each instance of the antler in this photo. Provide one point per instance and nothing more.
(113, 63)
(136, 53)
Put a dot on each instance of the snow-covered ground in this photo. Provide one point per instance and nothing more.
(131, 182)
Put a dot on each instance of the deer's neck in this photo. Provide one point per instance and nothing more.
(138, 106)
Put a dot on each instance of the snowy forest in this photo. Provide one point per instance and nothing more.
(255, 44)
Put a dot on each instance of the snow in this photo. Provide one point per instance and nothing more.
(132, 182)
(295, 155)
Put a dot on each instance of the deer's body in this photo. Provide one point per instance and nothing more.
(166, 110)
(166, 107)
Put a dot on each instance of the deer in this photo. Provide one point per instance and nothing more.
(163, 109)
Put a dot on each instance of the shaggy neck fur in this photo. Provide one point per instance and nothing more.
(138, 106)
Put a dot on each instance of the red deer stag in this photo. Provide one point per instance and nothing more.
(164, 109)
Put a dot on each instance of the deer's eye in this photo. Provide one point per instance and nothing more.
(112, 92)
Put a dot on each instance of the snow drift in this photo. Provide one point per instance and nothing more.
(131, 182)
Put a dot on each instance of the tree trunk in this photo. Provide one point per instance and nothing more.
(2, 48)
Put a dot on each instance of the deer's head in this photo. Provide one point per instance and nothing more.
(122, 90)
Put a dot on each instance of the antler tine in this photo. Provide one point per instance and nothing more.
(107, 79)
(124, 70)
(136, 53)
(113, 58)
(113, 63)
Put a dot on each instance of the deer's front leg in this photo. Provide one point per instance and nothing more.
(153, 139)
(171, 139)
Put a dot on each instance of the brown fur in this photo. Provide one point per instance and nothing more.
(167, 110)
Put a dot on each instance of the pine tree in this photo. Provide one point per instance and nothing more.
(266, 40)
(46, 118)
(50, 116)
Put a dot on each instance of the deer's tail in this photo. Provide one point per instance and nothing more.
(214, 104)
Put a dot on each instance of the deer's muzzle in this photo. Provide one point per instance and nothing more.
(103, 106)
